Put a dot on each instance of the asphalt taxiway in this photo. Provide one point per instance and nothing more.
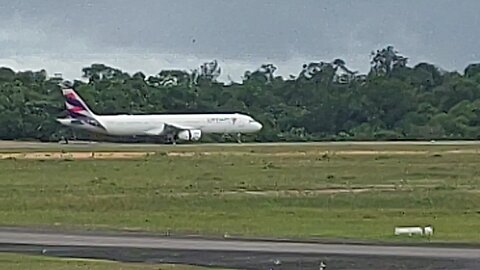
(241, 254)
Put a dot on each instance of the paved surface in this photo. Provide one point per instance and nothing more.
(246, 260)
(80, 144)
(241, 254)
(232, 245)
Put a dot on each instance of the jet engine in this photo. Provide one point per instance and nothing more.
(190, 135)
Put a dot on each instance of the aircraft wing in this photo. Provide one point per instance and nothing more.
(167, 129)
(176, 127)
(155, 132)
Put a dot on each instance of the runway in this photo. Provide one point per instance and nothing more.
(51, 241)
(106, 145)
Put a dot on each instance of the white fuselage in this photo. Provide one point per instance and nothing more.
(140, 125)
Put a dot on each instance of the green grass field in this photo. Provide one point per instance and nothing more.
(282, 191)
(13, 261)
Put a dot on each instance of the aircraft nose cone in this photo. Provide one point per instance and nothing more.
(258, 126)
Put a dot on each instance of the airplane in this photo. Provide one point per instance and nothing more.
(186, 127)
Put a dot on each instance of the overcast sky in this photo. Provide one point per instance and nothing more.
(151, 35)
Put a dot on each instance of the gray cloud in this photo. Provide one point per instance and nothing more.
(150, 35)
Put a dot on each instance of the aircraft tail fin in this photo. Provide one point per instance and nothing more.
(76, 107)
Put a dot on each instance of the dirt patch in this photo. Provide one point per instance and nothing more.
(314, 191)
(189, 154)
(322, 153)
(74, 155)
(311, 192)
(292, 192)
(131, 155)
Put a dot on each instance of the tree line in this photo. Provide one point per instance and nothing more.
(325, 101)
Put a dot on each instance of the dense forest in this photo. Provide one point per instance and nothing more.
(325, 101)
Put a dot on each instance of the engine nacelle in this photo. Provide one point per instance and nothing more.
(190, 135)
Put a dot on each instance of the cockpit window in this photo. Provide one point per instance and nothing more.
(250, 119)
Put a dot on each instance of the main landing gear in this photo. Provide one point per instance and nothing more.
(228, 136)
(239, 138)
(171, 139)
